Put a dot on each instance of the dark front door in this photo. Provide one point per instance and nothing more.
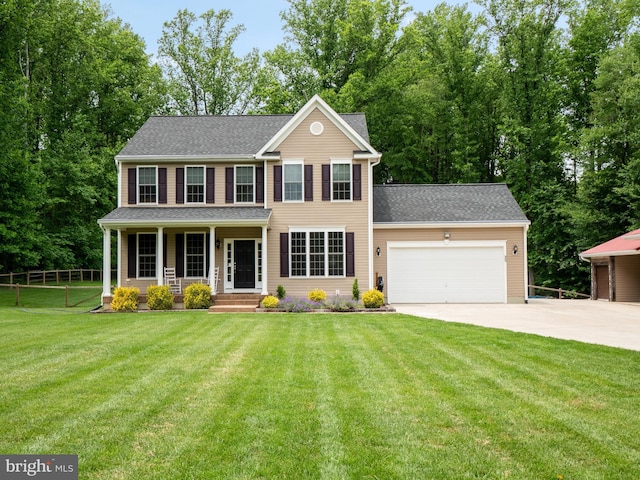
(245, 269)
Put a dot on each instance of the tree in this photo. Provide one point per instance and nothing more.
(205, 76)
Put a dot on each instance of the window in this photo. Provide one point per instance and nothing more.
(341, 181)
(147, 255)
(244, 184)
(195, 252)
(292, 182)
(317, 254)
(195, 184)
(147, 184)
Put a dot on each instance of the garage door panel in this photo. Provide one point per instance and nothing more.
(461, 274)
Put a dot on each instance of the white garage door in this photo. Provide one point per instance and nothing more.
(459, 272)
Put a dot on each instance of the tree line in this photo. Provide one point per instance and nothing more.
(543, 95)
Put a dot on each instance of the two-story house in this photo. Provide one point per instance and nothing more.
(270, 200)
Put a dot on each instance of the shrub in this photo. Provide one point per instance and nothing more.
(270, 302)
(125, 299)
(355, 290)
(317, 295)
(159, 297)
(197, 295)
(342, 305)
(298, 305)
(281, 292)
(373, 299)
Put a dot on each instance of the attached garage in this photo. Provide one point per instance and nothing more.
(458, 272)
(463, 243)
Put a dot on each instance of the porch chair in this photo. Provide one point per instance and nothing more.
(214, 287)
(175, 284)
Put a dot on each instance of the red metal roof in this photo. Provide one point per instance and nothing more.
(618, 246)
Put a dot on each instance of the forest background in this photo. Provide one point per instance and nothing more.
(543, 95)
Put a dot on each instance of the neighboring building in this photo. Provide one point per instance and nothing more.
(289, 200)
(615, 268)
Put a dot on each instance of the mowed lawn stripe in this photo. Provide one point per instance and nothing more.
(191, 395)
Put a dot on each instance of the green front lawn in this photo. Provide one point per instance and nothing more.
(182, 395)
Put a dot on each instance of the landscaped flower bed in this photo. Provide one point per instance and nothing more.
(317, 302)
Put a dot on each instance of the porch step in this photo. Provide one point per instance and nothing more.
(235, 302)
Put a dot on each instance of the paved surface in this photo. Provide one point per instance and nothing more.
(604, 323)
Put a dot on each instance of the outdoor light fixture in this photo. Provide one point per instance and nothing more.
(378, 251)
(447, 235)
(218, 243)
(515, 249)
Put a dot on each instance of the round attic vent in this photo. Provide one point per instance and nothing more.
(316, 128)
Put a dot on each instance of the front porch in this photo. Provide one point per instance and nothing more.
(224, 247)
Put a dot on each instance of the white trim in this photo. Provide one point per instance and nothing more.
(183, 223)
(525, 244)
(265, 264)
(119, 258)
(160, 256)
(617, 253)
(119, 202)
(389, 226)
(106, 262)
(314, 103)
(204, 185)
(228, 286)
(185, 158)
(235, 189)
(342, 161)
(138, 202)
(293, 161)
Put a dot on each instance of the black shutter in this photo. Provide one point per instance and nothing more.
(229, 193)
(284, 254)
(357, 181)
(277, 183)
(162, 185)
(351, 264)
(211, 180)
(132, 186)
(326, 182)
(133, 256)
(308, 183)
(179, 185)
(259, 185)
(179, 255)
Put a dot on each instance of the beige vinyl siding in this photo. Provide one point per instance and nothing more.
(512, 235)
(219, 185)
(627, 278)
(350, 216)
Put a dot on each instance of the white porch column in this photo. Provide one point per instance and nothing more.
(212, 260)
(265, 277)
(106, 262)
(160, 256)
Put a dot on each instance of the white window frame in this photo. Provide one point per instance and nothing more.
(339, 161)
(155, 255)
(325, 231)
(138, 185)
(253, 184)
(204, 255)
(291, 162)
(186, 184)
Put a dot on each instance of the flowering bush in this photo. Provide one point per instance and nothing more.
(125, 299)
(373, 299)
(317, 295)
(197, 295)
(298, 305)
(270, 302)
(342, 305)
(159, 297)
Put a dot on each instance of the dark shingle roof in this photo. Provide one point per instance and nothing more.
(141, 215)
(476, 203)
(215, 135)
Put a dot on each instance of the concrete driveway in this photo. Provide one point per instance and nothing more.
(604, 323)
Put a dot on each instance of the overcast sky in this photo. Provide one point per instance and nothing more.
(261, 18)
